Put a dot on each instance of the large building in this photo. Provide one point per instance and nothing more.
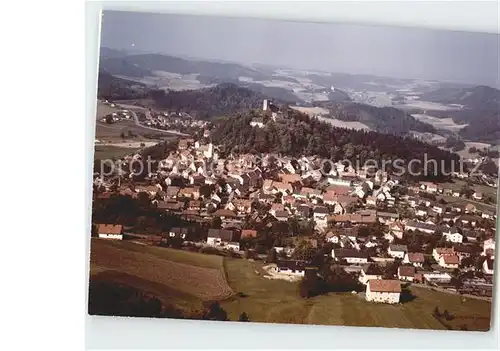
(110, 231)
(383, 290)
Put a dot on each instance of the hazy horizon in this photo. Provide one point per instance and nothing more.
(462, 57)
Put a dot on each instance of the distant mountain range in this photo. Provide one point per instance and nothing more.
(480, 97)
(230, 93)
(143, 65)
(110, 87)
(481, 106)
(382, 119)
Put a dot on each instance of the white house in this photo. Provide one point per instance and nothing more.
(290, 267)
(110, 231)
(382, 290)
(414, 258)
(397, 251)
(351, 256)
(453, 235)
(257, 122)
(437, 252)
(406, 273)
(389, 237)
(369, 272)
(489, 248)
(332, 237)
(428, 228)
(397, 228)
(437, 277)
(320, 215)
(488, 265)
(449, 261)
(233, 245)
(219, 237)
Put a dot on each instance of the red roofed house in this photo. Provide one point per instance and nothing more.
(414, 258)
(406, 273)
(382, 290)
(110, 231)
(437, 252)
(449, 261)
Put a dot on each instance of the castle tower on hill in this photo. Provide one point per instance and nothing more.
(265, 104)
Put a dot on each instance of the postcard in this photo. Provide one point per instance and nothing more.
(288, 172)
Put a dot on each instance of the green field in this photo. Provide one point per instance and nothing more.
(277, 301)
(105, 152)
(188, 279)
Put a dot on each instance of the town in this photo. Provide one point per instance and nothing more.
(298, 217)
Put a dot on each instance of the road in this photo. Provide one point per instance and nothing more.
(136, 120)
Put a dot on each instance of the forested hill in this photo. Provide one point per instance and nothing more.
(113, 88)
(299, 134)
(479, 97)
(388, 120)
(211, 102)
(481, 106)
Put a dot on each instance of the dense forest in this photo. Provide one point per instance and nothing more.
(216, 101)
(113, 88)
(382, 119)
(299, 134)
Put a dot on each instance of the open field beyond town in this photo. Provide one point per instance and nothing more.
(187, 279)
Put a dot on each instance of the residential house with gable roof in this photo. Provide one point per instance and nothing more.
(383, 290)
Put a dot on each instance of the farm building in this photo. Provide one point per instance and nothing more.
(437, 277)
(437, 252)
(351, 256)
(219, 237)
(110, 231)
(382, 290)
(291, 267)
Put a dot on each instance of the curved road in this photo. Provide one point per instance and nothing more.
(136, 120)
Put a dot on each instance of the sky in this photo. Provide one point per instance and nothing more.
(464, 57)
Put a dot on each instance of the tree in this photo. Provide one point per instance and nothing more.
(303, 251)
(215, 313)
(243, 317)
(272, 256)
(216, 223)
(310, 286)
(391, 269)
(436, 312)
